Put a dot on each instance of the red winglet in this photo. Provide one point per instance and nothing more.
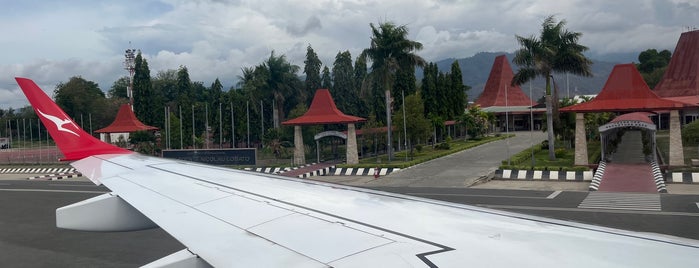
(75, 143)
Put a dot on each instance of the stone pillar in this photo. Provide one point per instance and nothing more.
(352, 155)
(676, 152)
(299, 153)
(580, 140)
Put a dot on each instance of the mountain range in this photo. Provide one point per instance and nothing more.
(475, 71)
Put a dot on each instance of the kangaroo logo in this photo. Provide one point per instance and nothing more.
(58, 122)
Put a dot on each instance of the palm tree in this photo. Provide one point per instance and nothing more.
(555, 50)
(276, 79)
(283, 83)
(390, 51)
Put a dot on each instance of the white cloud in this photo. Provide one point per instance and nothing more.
(50, 42)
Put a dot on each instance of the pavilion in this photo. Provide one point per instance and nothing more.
(625, 91)
(503, 99)
(124, 123)
(681, 79)
(323, 111)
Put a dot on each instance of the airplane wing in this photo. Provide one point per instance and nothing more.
(232, 218)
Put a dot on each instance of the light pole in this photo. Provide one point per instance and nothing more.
(130, 66)
(531, 124)
(507, 128)
(405, 129)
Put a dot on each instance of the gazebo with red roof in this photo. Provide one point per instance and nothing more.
(626, 91)
(125, 122)
(323, 111)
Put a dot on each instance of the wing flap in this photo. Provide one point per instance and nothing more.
(103, 213)
(180, 259)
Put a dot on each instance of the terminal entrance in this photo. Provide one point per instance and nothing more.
(628, 168)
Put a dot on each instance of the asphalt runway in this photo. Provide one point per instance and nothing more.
(679, 214)
(29, 238)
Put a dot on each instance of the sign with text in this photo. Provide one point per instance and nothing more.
(242, 157)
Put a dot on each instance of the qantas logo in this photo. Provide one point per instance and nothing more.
(58, 122)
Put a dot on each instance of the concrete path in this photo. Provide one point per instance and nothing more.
(628, 171)
(464, 168)
(628, 177)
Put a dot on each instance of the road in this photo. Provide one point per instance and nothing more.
(29, 237)
(677, 216)
(464, 168)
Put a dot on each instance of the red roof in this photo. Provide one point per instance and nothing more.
(499, 80)
(637, 116)
(680, 78)
(125, 121)
(323, 111)
(625, 90)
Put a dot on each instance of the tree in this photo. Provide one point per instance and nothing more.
(458, 90)
(555, 50)
(119, 88)
(215, 102)
(185, 101)
(416, 125)
(312, 71)
(344, 91)
(429, 88)
(326, 80)
(360, 73)
(476, 121)
(148, 103)
(390, 50)
(652, 65)
(275, 83)
(405, 84)
(82, 98)
(283, 83)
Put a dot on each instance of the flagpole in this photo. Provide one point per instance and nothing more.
(232, 127)
(181, 134)
(247, 105)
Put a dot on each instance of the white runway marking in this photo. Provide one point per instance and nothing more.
(52, 191)
(475, 195)
(553, 195)
(643, 212)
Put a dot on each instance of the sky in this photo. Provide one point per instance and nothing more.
(51, 41)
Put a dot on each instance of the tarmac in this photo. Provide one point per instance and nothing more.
(472, 169)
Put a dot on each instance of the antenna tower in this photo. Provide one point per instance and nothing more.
(130, 66)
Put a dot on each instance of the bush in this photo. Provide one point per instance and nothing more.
(545, 145)
(523, 156)
(690, 134)
(560, 152)
(443, 146)
(418, 148)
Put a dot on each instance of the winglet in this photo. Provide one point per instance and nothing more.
(73, 142)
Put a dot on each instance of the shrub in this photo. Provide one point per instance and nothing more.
(560, 152)
(418, 148)
(443, 146)
(690, 134)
